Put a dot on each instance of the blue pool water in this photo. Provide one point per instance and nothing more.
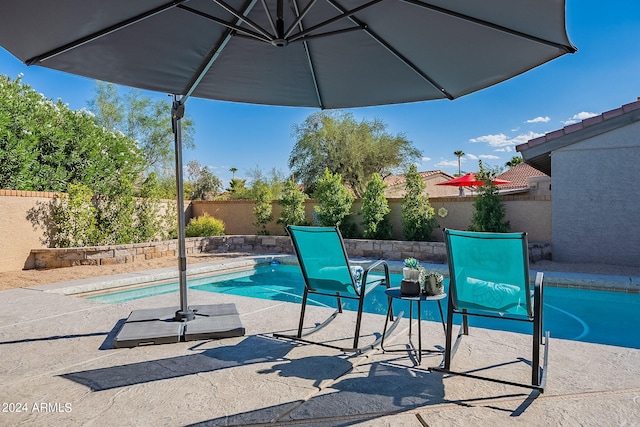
(575, 314)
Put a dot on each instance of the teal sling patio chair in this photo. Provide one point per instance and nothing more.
(327, 271)
(489, 277)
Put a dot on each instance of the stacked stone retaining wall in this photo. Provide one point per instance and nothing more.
(428, 252)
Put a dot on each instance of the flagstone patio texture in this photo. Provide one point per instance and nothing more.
(59, 368)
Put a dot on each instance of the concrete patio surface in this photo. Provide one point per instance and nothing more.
(59, 368)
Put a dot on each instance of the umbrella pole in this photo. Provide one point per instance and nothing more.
(177, 112)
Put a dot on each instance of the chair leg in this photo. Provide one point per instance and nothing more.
(535, 359)
(449, 330)
(302, 312)
(465, 323)
(537, 330)
(358, 320)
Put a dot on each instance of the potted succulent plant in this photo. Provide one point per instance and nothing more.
(410, 284)
(433, 283)
(411, 272)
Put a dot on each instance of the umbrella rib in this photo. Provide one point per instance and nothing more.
(328, 33)
(306, 50)
(248, 32)
(214, 54)
(560, 46)
(299, 18)
(266, 10)
(395, 53)
(344, 13)
(242, 17)
(98, 34)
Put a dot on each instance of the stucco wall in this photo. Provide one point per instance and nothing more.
(525, 212)
(18, 236)
(595, 189)
(17, 233)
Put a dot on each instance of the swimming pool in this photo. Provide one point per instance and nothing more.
(576, 314)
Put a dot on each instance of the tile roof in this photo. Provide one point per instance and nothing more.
(400, 179)
(627, 108)
(518, 176)
(536, 151)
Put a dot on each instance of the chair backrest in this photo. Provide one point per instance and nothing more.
(323, 258)
(489, 272)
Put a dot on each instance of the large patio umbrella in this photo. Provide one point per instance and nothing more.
(469, 180)
(314, 53)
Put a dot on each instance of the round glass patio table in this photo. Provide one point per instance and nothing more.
(394, 293)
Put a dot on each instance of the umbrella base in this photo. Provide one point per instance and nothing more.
(159, 325)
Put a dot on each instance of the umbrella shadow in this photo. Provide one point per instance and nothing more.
(251, 350)
(351, 397)
(107, 344)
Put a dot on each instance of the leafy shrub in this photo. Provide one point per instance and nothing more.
(72, 219)
(44, 145)
(263, 209)
(418, 217)
(204, 226)
(375, 209)
(292, 203)
(488, 210)
(334, 200)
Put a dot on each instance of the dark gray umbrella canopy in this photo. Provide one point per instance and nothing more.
(338, 54)
(311, 53)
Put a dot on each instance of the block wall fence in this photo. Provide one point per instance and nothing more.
(22, 247)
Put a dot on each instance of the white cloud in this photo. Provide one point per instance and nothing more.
(447, 163)
(539, 119)
(578, 117)
(515, 129)
(426, 159)
(488, 156)
(504, 150)
(472, 156)
(498, 140)
(501, 141)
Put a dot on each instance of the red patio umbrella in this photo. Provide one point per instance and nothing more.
(470, 180)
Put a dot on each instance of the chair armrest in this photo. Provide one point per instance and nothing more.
(537, 294)
(378, 263)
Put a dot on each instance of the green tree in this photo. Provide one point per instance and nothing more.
(375, 209)
(206, 185)
(292, 203)
(333, 198)
(142, 119)
(274, 178)
(489, 211)
(515, 161)
(355, 150)
(238, 189)
(263, 209)
(418, 217)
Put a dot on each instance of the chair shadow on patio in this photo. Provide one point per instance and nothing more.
(357, 394)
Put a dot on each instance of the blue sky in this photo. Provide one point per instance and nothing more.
(604, 74)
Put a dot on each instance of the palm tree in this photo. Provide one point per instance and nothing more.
(459, 154)
(233, 172)
(515, 161)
